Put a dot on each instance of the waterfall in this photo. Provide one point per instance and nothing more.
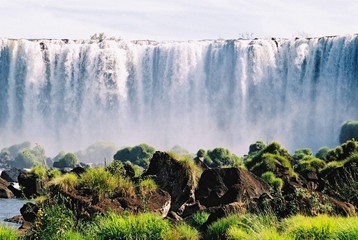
(67, 94)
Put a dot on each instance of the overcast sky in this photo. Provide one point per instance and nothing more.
(176, 19)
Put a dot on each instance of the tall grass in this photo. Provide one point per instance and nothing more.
(67, 182)
(183, 231)
(8, 233)
(131, 227)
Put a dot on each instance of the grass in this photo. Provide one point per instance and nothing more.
(147, 185)
(197, 219)
(131, 227)
(40, 172)
(183, 231)
(67, 182)
(266, 227)
(125, 187)
(8, 233)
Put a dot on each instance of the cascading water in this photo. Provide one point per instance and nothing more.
(69, 94)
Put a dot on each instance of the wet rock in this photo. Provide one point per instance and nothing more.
(11, 175)
(173, 177)
(4, 190)
(31, 185)
(227, 185)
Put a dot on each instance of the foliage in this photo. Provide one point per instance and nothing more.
(255, 147)
(275, 182)
(40, 172)
(116, 168)
(179, 150)
(183, 231)
(8, 233)
(221, 157)
(269, 162)
(68, 160)
(97, 152)
(343, 151)
(99, 181)
(54, 173)
(141, 226)
(310, 164)
(197, 219)
(321, 227)
(322, 153)
(301, 153)
(125, 187)
(53, 221)
(349, 131)
(147, 185)
(67, 182)
(139, 155)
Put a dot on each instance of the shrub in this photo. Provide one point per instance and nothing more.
(147, 185)
(40, 172)
(116, 168)
(322, 153)
(269, 162)
(67, 182)
(139, 155)
(183, 231)
(197, 219)
(221, 157)
(275, 182)
(255, 147)
(54, 173)
(125, 187)
(53, 221)
(301, 153)
(68, 160)
(141, 226)
(99, 181)
(310, 164)
(349, 130)
(8, 233)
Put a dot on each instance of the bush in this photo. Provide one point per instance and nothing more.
(8, 233)
(342, 152)
(183, 231)
(99, 181)
(301, 153)
(139, 155)
(349, 131)
(54, 173)
(116, 168)
(67, 182)
(221, 157)
(268, 162)
(322, 153)
(147, 185)
(197, 219)
(68, 160)
(275, 182)
(310, 164)
(53, 222)
(255, 147)
(40, 172)
(141, 226)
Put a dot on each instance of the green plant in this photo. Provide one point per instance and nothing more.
(99, 181)
(183, 231)
(275, 182)
(52, 222)
(67, 182)
(141, 226)
(349, 130)
(54, 173)
(8, 233)
(147, 185)
(40, 172)
(139, 155)
(125, 187)
(197, 219)
(68, 160)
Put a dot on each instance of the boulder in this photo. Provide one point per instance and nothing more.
(11, 175)
(78, 170)
(4, 190)
(29, 211)
(174, 177)
(31, 184)
(227, 185)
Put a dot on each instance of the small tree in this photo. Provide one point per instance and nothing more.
(69, 160)
(349, 130)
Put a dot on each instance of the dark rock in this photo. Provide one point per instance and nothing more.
(173, 216)
(226, 185)
(29, 211)
(4, 190)
(78, 170)
(31, 185)
(173, 177)
(15, 219)
(129, 170)
(11, 175)
(18, 193)
(192, 208)
(224, 211)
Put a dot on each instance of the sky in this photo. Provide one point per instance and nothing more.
(177, 19)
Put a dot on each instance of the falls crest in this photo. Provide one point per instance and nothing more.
(66, 95)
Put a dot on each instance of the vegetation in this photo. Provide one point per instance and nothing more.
(139, 155)
(97, 153)
(68, 160)
(349, 131)
(218, 157)
(8, 233)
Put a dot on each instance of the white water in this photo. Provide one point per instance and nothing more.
(195, 93)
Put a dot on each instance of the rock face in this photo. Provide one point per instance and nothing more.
(4, 190)
(31, 184)
(10, 175)
(174, 177)
(227, 185)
